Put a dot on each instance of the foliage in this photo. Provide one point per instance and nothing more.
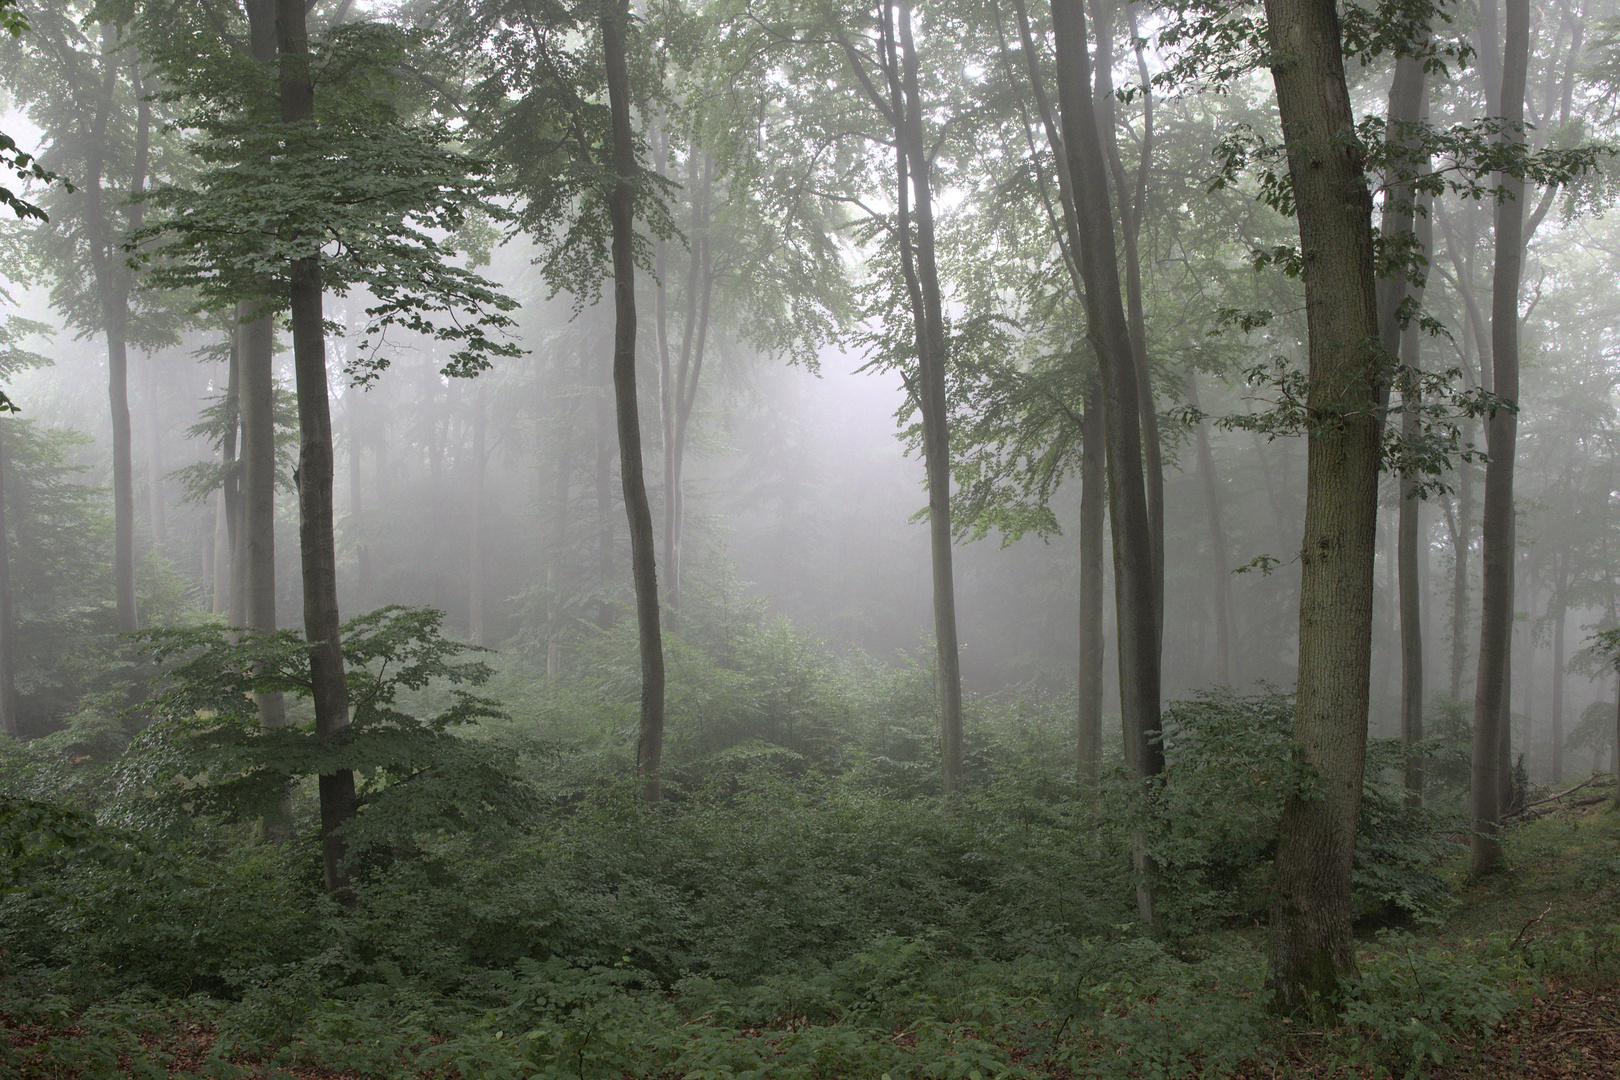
(376, 190)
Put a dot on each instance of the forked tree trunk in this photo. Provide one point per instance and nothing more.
(1130, 195)
(1311, 943)
(316, 541)
(1136, 589)
(8, 616)
(1497, 526)
(621, 211)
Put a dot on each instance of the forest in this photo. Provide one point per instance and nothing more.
(949, 539)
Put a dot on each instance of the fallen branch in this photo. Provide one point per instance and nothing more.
(1525, 810)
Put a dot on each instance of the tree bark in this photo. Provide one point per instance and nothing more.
(1497, 525)
(316, 540)
(1311, 944)
(621, 211)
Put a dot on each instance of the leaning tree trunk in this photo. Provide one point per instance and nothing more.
(1311, 943)
(621, 211)
(1497, 526)
(8, 616)
(316, 541)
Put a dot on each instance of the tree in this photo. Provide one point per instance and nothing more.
(1311, 933)
(79, 79)
(1491, 699)
(361, 168)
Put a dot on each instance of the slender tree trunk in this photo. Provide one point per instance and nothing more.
(621, 211)
(1497, 528)
(1311, 910)
(475, 527)
(1560, 615)
(922, 280)
(227, 510)
(155, 513)
(1458, 525)
(8, 616)
(1221, 578)
(1093, 501)
(604, 498)
(559, 549)
(1408, 556)
(316, 540)
(357, 509)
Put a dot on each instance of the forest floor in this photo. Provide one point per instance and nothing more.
(1560, 890)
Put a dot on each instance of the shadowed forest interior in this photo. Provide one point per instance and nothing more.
(733, 538)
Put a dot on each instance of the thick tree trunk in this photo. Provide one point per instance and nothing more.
(1411, 597)
(475, 527)
(8, 616)
(1311, 911)
(1497, 527)
(621, 211)
(1093, 502)
(316, 541)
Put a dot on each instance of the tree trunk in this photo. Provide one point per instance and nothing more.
(1408, 528)
(1093, 500)
(916, 211)
(8, 617)
(155, 513)
(1132, 204)
(1311, 911)
(1221, 578)
(357, 511)
(1458, 524)
(227, 511)
(316, 542)
(475, 527)
(604, 498)
(1497, 526)
(1560, 615)
(621, 211)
